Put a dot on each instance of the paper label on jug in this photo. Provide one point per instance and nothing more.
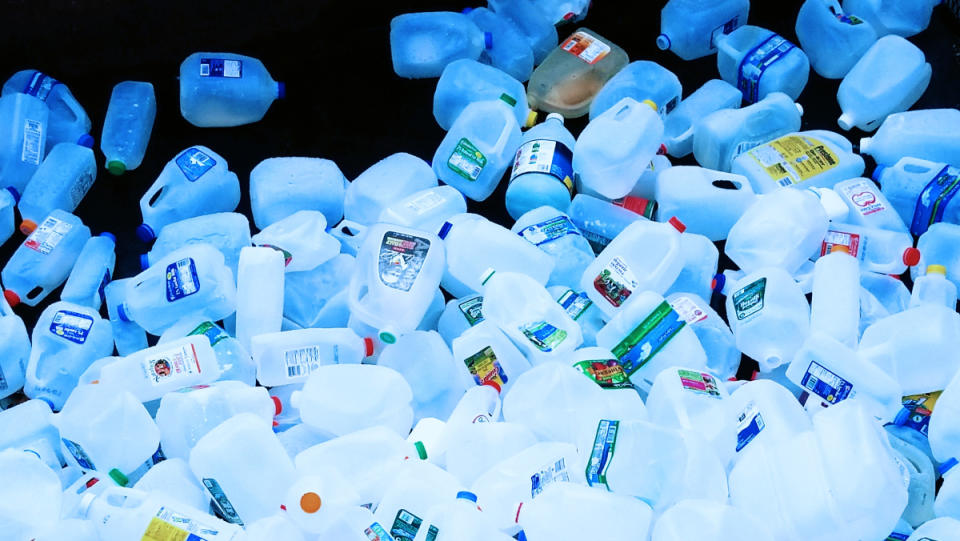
(863, 195)
(194, 163)
(648, 338)
(71, 326)
(466, 160)
(543, 335)
(219, 67)
(767, 53)
(607, 373)
(548, 231)
(32, 150)
(748, 300)
(545, 157)
(840, 238)
(916, 411)
(40, 85)
(182, 279)
(616, 282)
(723, 29)
(48, 235)
(934, 199)
(226, 509)
(688, 310)
(585, 47)
(406, 525)
(749, 424)
(604, 446)
(78, 454)
(575, 304)
(825, 384)
(375, 532)
(287, 256)
(425, 202)
(213, 333)
(551, 473)
(699, 383)
(177, 363)
(852, 20)
(484, 367)
(793, 159)
(472, 310)
(170, 525)
(400, 260)
(306, 360)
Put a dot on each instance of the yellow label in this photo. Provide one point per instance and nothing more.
(794, 159)
(158, 530)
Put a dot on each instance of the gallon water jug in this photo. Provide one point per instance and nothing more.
(104, 428)
(190, 280)
(815, 158)
(709, 521)
(33, 495)
(679, 125)
(460, 519)
(425, 361)
(386, 181)
(426, 209)
(553, 515)
(61, 182)
(280, 187)
(417, 488)
(527, 16)
(707, 202)
(474, 244)
(153, 372)
(473, 449)
(467, 81)
(782, 229)
(66, 340)
(834, 40)
(332, 396)
(869, 207)
(887, 17)
(767, 413)
(301, 238)
(572, 76)
(187, 415)
(718, 342)
(8, 199)
(459, 315)
(691, 28)
(399, 271)
(423, 44)
(878, 250)
(867, 100)
(228, 232)
(318, 297)
(127, 125)
(640, 80)
(835, 308)
(68, 121)
(485, 356)
(925, 134)
(509, 50)
(600, 221)
(223, 89)
(938, 247)
(944, 528)
(581, 309)
(478, 149)
(934, 288)
(243, 467)
(542, 171)
(259, 293)
(25, 123)
(173, 479)
(646, 256)
(759, 62)
(127, 336)
(14, 351)
(233, 359)
(880, 296)
(904, 183)
(552, 232)
(700, 257)
(723, 135)
(195, 183)
(769, 316)
(288, 357)
(922, 477)
(92, 272)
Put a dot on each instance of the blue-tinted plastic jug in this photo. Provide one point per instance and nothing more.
(224, 89)
(127, 126)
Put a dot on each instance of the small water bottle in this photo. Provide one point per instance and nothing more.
(25, 121)
(92, 272)
(423, 44)
(68, 120)
(223, 89)
(127, 126)
(542, 168)
(61, 182)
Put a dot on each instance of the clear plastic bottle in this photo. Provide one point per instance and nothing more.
(225, 89)
(542, 171)
(640, 80)
(127, 125)
(92, 272)
(61, 182)
(759, 61)
(679, 125)
(690, 28)
(833, 40)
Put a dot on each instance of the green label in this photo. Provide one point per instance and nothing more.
(607, 373)
(467, 160)
(508, 99)
(213, 333)
(647, 338)
(749, 300)
(604, 445)
(472, 310)
(699, 383)
(543, 335)
(406, 525)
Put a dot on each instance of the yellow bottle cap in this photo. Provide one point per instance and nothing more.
(937, 269)
(531, 119)
(651, 103)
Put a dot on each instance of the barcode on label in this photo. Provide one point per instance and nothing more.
(32, 142)
(302, 361)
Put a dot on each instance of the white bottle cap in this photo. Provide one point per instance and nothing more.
(845, 121)
(555, 116)
(832, 203)
(865, 145)
(799, 108)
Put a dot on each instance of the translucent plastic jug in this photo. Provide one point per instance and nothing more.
(835, 308)
(679, 125)
(473, 449)
(425, 210)
(459, 315)
(384, 182)
(690, 28)
(888, 17)
(600, 221)
(61, 182)
(228, 232)
(878, 250)
(913, 183)
(425, 361)
(707, 202)
(408, 497)
(542, 172)
(640, 80)
(280, 187)
(551, 231)
(767, 413)
(8, 200)
(423, 44)
(759, 62)
(14, 351)
(259, 293)
(709, 521)
(467, 81)
(127, 125)
(934, 288)
(25, 121)
(869, 206)
(718, 342)
(151, 373)
(224, 89)
(815, 158)
(938, 247)
(509, 50)
(485, 356)
(68, 121)
(944, 430)
(33, 493)
(539, 31)
(925, 134)
(92, 272)
(127, 336)
(288, 357)
(834, 40)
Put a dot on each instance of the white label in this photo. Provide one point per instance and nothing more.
(863, 195)
(186, 525)
(553, 472)
(425, 202)
(170, 365)
(186, 271)
(585, 47)
(533, 157)
(616, 282)
(48, 235)
(303, 361)
(231, 68)
(32, 142)
(688, 310)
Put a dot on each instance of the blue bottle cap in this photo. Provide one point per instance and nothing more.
(145, 233)
(719, 280)
(947, 465)
(144, 262)
(16, 195)
(663, 42)
(122, 313)
(86, 140)
(465, 495)
(444, 229)
(521, 536)
(488, 40)
(109, 235)
(877, 172)
(281, 91)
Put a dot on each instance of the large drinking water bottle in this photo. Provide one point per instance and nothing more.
(542, 168)
(690, 28)
(224, 89)
(61, 182)
(68, 120)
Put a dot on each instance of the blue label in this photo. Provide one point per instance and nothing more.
(71, 326)
(549, 230)
(897, 536)
(934, 200)
(83, 460)
(749, 426)
(40, 85)
(194, 163)
(545, 157)
(647, 338)
(825, 384)
(220, 67)
(757, 61)
(223, 506)
(575, 304)
(103, 286)
(182, 279)
(604, 446)
(916, 412)
(376, 533)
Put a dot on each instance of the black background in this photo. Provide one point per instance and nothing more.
(344, 101)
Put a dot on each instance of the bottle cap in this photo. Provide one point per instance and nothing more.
(27, 226)
(145, 233)
(444, 229)
(16, 194)
(651, 103)
(277, 405)
(86, 140)
(719, 280)
(466, 495)
(799, 108)
(936, 269)
(521, 536)
(109, 235)
(387, 337)
(532, 119)
(832, 203)
(421, 450)
(554, 116)
(662, 151)
(83, 508)
(840, 249)
(12, 298)
(677, 224)
(310, 502)
(486, 276)
(144, 261)
(845, 121)
(663, 42)
(493, 384)
(118, 477)
(122, 313)
(911, 256)
(877, 171)
(488, 40)
(639, 205)
(368, 346)
(947, 465)
(116, 167)
(281, 91)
